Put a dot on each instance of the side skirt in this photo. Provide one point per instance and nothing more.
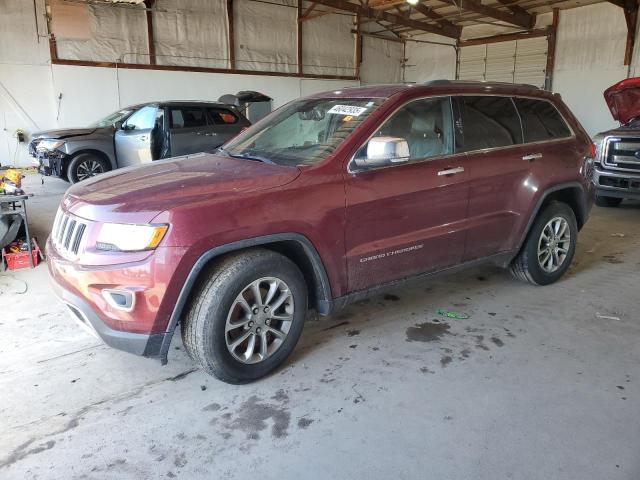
(502, 259)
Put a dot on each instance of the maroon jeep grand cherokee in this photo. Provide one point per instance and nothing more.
(325, 201)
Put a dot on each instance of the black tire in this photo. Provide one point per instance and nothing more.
(203, 328)
(526, 266)
(85, 165)
(608, 201)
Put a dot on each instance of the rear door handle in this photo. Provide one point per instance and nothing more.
(144, 139)
(450, 171)
(532, 156)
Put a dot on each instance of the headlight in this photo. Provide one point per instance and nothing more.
(48, 145)
(120, 237)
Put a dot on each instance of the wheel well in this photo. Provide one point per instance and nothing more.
(295, 252)
(97, 153)
(572, 196)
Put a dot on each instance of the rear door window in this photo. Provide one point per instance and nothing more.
(541, 120)
(221, 116)
(187, 117)
(488, 122)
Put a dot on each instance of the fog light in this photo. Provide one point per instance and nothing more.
(123, 300)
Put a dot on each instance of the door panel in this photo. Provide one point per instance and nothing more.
(188, 130)
(492, 136)
(133, 141)
(409, 218)
(404, 220)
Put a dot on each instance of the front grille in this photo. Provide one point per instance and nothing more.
(67, 233)
(623, 154)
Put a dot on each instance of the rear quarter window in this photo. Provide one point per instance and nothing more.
(541, 120)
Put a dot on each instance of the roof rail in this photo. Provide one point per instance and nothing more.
(478, 82)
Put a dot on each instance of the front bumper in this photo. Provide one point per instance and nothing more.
(616, 184)
(136, 343)
(140, 329)
(48, 163)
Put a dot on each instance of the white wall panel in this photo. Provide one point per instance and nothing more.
(266, 35)
(381, 61)
(429, 62)
(589, 58)
(195, 35)
(328, 46)
(116, 33)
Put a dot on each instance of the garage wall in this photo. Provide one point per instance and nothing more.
(589, 58)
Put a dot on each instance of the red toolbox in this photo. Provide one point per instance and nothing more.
(15, 261)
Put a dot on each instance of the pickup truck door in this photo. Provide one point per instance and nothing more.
(410, 217)
(133, 140)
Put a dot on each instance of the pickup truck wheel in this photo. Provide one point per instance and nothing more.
(549, 247)
(85, 166)
(608, 201)
(247, 316)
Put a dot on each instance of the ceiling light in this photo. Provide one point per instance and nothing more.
(413, 2)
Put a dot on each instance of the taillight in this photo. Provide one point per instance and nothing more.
(593, 150)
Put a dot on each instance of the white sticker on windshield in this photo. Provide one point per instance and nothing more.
(347, 110)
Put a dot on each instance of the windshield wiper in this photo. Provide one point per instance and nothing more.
(251, 155)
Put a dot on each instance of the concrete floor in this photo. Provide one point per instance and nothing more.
(538, 383)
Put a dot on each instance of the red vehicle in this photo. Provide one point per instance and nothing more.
(329, 199)
(617, 169)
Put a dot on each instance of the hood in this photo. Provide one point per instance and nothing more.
(138, 194)
(623, 99)
(63, 133)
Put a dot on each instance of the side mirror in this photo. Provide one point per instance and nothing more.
(384, 151)
(118, 125)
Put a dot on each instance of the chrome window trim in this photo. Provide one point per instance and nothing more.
(351, 163)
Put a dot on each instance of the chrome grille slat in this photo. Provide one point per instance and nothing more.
(67, 234)
(619, 154)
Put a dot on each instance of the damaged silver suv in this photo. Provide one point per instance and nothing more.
(134, 136)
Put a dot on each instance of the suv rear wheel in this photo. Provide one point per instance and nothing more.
(549, 247)
(85, 165)
(608, 201)
(247, 316)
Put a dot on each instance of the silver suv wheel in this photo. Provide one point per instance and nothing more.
(88, 169)
(259, 320)
(553, 244)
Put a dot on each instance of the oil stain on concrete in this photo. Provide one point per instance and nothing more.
(427, 332)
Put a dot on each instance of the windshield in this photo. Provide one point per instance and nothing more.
(303, 132)
(113, 118)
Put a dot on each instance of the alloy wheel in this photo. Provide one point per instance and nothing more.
(259, 320)
(88, 169)
(554, 244)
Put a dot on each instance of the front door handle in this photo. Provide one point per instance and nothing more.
(532, 156)
(450, 171)
(144, 139)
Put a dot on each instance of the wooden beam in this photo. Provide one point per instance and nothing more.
(231, 40)
(429, 13)
(631, 17)
(150, 39)
(524, 20)
(358, 47)
(178, 68)
(306, 13)
(551, 50)
(514, 8)
(363, 11)
(299, 33)
(541, 32)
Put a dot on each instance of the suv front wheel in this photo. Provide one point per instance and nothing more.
(549, 247)
(247, 316)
